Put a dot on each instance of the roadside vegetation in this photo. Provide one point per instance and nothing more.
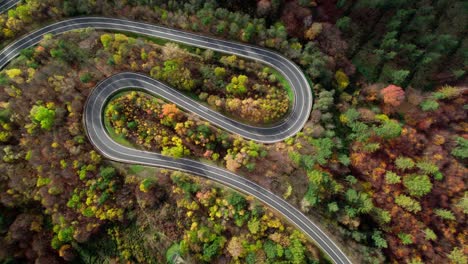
(240, 88)
(152, 124)
(381, 163)
(71, 196)
(212, 222)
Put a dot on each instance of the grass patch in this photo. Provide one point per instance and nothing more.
(136, 168)
(281, 79)
(171, 252)
(110, 130)
(116, 137)
(161, 41)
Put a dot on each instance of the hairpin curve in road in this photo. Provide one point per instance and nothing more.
(93, 112)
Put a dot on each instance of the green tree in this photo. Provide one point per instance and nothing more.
(312, 194)
(325, 100)
(221, 27)
(383, 216)
(333, 207)
(379, 241)
(457, 256)
(371, 147)
(295, 157)
(463, 203)
(270, 249)
(233, 29)
(444, 214)
(220, 72)
(237, 85)
(461, 150)
(399, 77)
(392, 178)
(146, 184)
(213, 249)
(251, 258)
(307, 162)
(106, 40)
(430, 235)
(341, 79)
(65, 234)
(237, 201)
(43, 115)
(417, 185)
(323, 149)
(107, 172)
(5, 136)
(175, 74)
(389, 129)
(178, 151)
(343, 23)
(404, 163)
(253, 225)
(447, 92)
(406, 239)
(408, 203)
(248, 32)
(349, 116)
(427, 167)
(297, 249)
(429, 105)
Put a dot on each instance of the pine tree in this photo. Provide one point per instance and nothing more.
(417, 185)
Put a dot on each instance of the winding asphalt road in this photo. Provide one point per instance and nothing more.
(7, 4)
(93, 112)
(292, 124)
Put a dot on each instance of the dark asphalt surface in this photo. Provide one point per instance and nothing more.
(7, 4)
(93, 112)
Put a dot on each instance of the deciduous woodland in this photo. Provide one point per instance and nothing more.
(380, 164)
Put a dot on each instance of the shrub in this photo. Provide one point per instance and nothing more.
(85, 78)
(146, 184)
